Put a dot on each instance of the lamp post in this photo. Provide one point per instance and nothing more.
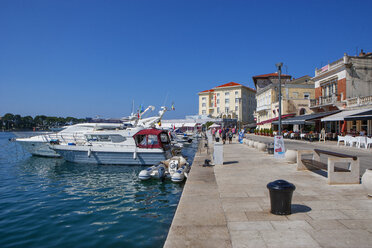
(240, 112)
(279, 66)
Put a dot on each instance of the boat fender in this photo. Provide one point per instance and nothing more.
(135, 155)
(89, 152)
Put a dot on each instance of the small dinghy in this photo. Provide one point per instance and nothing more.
(155, 171)
(175, 168)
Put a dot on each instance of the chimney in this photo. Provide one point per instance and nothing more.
(361, 54)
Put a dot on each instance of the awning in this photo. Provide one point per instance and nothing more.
(306, 119)
(342, 115)
(274, 119)
(365, 115)
(191, 124)
(250, 125)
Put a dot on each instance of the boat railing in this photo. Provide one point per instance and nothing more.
(68, 138)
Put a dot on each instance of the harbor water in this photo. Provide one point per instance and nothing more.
(46, 202)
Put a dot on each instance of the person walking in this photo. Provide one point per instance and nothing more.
(230, 136)
(223, 134)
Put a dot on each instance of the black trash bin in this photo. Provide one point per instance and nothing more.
(281, 196)
(217, 139)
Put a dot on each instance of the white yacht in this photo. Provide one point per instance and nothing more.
(39, 145)
(132, 146)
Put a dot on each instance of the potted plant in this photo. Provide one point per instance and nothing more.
(271, 132)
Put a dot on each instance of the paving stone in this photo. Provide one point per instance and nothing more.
(247, 239)
(358, 214)
(358, 224)
(198, 236)
(234, 194)
(263, 216)
(250, 226)
(291, 224)
(343, 238)
(239, 204)
(288, 239)
(327, 224)
(327, 215)
(235, 216)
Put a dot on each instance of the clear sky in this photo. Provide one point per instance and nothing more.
(84, 58)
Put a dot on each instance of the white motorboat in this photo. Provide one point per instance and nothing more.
(176, 168)
(132, 146)
(39, 145)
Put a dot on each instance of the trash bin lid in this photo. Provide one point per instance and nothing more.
(280, 184)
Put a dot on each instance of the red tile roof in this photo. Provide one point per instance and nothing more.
(228, 85)
(206, 91)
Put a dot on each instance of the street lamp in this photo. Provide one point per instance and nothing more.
(279, 66)
(240, 112)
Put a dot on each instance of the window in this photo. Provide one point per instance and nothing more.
(117, 138)
(204, 104)
(236, 100)
(227, 110)
(204, 99)
(227, 101)
(152, 139)
(164, 138)
(227, 94)
(364, 126)
(306, 95)
(236, 93)
(236, 108)
(218, 101)
(218, 110)
(218, 95)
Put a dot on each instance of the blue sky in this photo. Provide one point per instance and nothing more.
(86, 58)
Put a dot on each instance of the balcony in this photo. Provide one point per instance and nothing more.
(265, 107)
(359, 101)
(329, 67)
(324, 100)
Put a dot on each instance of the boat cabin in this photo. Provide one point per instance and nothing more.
(152, 138)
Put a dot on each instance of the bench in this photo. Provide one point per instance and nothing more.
(336, 175)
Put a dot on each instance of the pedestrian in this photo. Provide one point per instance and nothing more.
(223, 134)
(230, 137)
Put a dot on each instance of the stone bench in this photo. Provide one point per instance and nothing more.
(336, 175)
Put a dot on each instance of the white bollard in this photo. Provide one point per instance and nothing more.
(218, 154)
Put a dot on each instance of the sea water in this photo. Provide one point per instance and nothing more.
(47, 202)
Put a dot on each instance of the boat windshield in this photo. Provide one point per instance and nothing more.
(114, 138)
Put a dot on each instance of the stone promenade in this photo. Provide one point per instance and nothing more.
(228, 206)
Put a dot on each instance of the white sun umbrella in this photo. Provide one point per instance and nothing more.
(214, 125)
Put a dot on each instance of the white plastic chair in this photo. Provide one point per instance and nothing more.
(369, 142)
(362, 141)
(346, 139)
(353, 140)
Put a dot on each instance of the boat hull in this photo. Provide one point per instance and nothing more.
(36, 148)
(117, 158)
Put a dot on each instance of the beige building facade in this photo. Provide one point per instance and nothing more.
(296, 96)
(229, 101)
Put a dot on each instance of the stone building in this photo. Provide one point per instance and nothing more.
(228, 101)
(345, 84)
(296, 95)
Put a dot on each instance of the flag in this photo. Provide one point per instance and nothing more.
(141, 108)
(159, 123)
(173, 108)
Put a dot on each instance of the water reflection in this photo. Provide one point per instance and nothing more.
(57, 203)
